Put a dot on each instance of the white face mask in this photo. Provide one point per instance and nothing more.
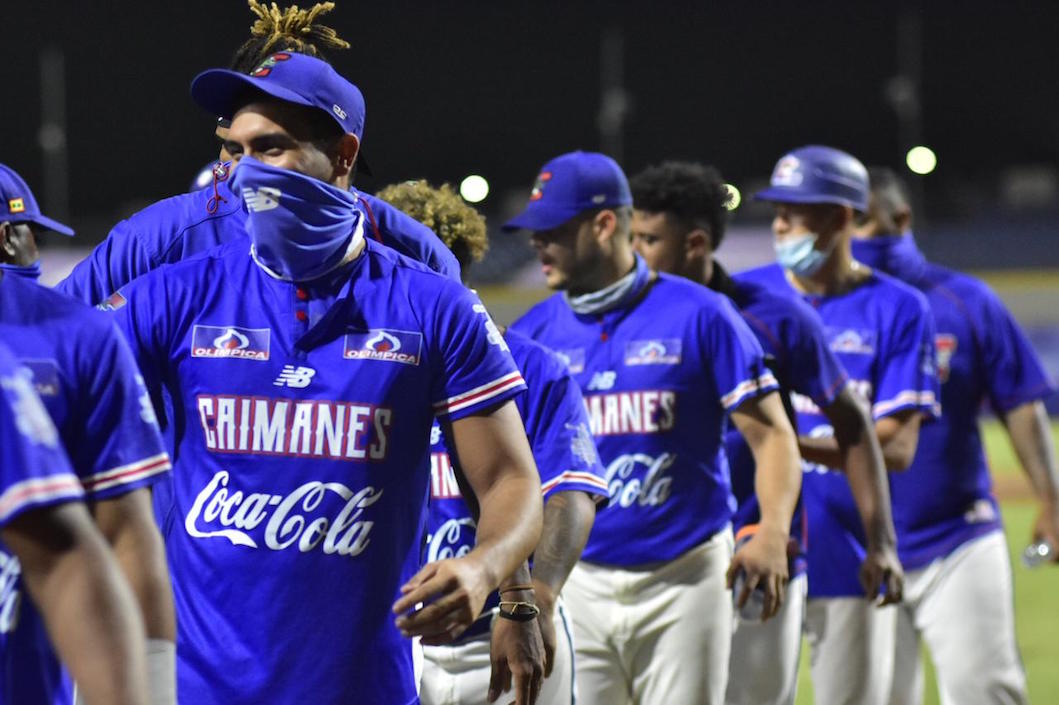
(799, 254)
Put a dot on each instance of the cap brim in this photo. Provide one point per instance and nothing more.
(223, 92)
(538, 219)
(785, 195)
(50, 224)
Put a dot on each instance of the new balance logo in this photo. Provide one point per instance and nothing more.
(602, 380)
(295, 377)
(264, 199)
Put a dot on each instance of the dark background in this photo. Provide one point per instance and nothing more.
(497, 88)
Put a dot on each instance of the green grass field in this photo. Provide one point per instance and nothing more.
(1036, 591)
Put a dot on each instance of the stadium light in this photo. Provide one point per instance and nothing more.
(921, 160)
(734, 197)
(474, 189)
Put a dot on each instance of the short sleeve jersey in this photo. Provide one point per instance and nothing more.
(34, 473)
(83, 372)
(301, 419)
(658, 377)
(882, 333)
(191, 223)
(796, 350)
(553, 413)
(945, 497)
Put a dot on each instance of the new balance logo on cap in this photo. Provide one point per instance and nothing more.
(264, 199)
(295, 377)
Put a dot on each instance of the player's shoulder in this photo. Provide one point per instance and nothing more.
(534, 359)
(540, 314)
(162, 223)
(675, 298)
(388, 262)
(47, 307)
(965, 286)
(188, 274)
(767, 275)
(898, 294)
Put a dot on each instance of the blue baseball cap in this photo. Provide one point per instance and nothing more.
(287, 76)
(817, 174)
(570, 185)
(17, 204)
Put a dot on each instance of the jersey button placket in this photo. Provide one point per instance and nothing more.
(301, 308)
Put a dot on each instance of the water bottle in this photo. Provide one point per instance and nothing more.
(1036, 553)
(755, 604)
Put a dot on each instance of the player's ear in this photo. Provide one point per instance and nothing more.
(697, 243)
(347, 148)
(604, 224)
(8, 250)
(903, 219)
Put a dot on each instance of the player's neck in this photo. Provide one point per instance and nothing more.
(840, 274)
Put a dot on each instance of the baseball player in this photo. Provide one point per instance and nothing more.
(881, 331)
(553, 412)
(84, 373)
(660, 361)
(185, 225)
(958, 589)
(303, 367)
(679, 222)
(50, 550)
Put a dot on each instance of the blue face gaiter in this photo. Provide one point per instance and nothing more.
(30, 271)
(301, 228)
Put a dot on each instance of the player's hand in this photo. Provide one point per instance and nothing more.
(1046, 528)
(546, 621)
(516, 654)
(881, 568)
(763, 559)
(452, 591)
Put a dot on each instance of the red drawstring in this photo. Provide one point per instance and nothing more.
(220, 173)
(371, 217)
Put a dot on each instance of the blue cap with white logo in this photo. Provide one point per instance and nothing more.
(816, 174)
(570, 185)
(17, 204)
(287, 76)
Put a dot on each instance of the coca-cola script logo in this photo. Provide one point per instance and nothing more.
(453, 539)
(292, 520)
(637, 478)
(10, 597)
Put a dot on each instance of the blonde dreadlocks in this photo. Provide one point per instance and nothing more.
(289, 29)
(459, 226)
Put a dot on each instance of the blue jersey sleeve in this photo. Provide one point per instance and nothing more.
(815, 371)
(34, 471)
(113, 263)
(906, 369)
(119, 436)
(475, 368)
(145, 330)
(558, 430)
(411, 238)
(734, 356)
(1014, 373)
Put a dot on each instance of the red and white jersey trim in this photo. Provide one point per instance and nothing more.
(749, 387)
(908, 398)
(580, 478)
(39, 490)
(127, 474)
(478, 394)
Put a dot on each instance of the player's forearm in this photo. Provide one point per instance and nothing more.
(90, 616)
(897, 444)
(1031, 435)
(509, 525)
(778, 479)
(862, 459)
(568, 518)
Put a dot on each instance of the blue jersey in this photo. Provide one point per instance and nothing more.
(84, 373)
(553, 413)
(945, 498)
(658, 376)
(797, 352)
(182, 226)
(882, 333)
(34, 472)
(301, 419)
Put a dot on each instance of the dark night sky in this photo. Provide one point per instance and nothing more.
(497, 88)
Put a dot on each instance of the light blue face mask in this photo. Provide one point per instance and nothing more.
(301, 227)
(799, 255)
(29, 271)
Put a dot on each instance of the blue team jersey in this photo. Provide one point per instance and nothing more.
(797, 352)
(882, 333)
(301, 419)
(34, 472)
(553, 413)
(84, 373)
(182, 226)
(946, 498)
(658, 376)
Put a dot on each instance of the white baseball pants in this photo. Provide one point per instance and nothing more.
(851, 650)
(648, 637)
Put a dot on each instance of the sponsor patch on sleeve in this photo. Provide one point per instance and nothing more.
(112, 302)
(230, 342)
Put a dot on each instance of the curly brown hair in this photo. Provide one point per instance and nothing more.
(289, 29)
(459, 226)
